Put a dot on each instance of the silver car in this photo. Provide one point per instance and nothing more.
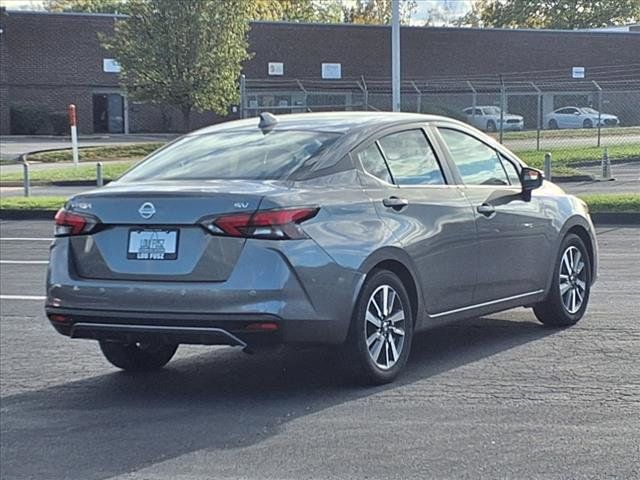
(351, 229)
(490, 118)
(579, 117)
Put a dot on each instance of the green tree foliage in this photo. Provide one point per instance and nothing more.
(184, 53)
(87, 6)
(310, 11)
(565, 14)
(376, 11)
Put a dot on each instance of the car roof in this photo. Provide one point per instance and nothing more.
(338, 122)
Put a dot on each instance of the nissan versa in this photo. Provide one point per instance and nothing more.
(347, 229)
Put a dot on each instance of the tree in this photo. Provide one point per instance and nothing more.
(567, 14)
(309, 11)
(186, 53)
(377, 11)
(87, 6)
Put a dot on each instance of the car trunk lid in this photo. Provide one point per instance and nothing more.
(152, 231)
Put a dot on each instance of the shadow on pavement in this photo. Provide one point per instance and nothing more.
(117, 423)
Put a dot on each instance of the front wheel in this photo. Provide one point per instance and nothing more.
(587, 124)
(137, 357)
(381, 330)
(567, 300)
(491, 126)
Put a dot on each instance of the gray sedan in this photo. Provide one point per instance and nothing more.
(350, 229)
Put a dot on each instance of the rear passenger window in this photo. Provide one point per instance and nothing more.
(373, 162)
(411, 159)
(477, 163)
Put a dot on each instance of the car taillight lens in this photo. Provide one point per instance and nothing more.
(269, 224)
(68, 223)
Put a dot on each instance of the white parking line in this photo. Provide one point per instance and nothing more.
(22, 297)
(24, 262)
(26, 239)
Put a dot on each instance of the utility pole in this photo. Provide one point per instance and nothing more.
(395, 55)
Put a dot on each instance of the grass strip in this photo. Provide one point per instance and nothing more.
(31, 203)
(613, 202)
(94, 154)
(110, 171)
(571, 133)
(567, 157)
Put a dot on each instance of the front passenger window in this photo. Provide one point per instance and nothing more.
(477, 163)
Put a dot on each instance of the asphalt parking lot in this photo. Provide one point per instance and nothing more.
(495, 397)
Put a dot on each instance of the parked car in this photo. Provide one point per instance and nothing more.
(579, 117)
(488, 118)
(352, 229)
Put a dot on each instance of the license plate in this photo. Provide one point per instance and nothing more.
(156, 244)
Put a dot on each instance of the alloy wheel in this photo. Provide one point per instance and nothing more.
(573, 279)
(385, 327)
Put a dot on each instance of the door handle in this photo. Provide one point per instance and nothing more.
(486, 209)
(395, 202)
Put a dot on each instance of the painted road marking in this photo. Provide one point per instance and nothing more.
(24, 262)
(27, 239)
(23, 297)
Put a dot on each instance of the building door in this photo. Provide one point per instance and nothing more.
(108, 113)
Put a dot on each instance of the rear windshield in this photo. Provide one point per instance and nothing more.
(247, 155)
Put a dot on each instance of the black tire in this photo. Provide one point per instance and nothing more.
(587, 124)
(138, 357)
(553, 311)
(491, 126)
(358, 354)
(553, 125)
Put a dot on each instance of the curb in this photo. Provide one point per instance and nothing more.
(57, 183)
(16, 214)
(598, 218)
(615, 218)
(573, 178)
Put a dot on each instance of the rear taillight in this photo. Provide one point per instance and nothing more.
(269, 224)
(68, 223)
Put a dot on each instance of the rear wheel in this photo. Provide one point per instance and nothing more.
(587, 124)
(491, 126)
(381, 330)
(553, 125)
(138, 357)
(567, 300)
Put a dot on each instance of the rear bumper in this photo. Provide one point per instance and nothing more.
(247, 330)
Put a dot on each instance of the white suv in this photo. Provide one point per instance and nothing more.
(488, 118)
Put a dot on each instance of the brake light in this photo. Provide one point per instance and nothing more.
(268, 224)
(68, 223)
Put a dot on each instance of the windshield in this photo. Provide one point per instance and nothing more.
(491, 111)
(589, 110)
(247, 155)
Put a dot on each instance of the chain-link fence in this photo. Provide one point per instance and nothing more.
(574, 120)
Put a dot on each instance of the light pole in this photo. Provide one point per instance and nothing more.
(395, 55)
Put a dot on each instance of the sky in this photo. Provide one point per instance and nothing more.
(441, 11)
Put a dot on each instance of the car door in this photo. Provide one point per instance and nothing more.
(572, 118)
(514, 234)
(561, 117)
(426, 215)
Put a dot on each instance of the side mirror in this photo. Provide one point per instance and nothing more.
(530, 179)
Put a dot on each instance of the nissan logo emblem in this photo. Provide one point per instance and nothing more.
(147, 210)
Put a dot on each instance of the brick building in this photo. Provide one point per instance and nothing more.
(50, 60)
